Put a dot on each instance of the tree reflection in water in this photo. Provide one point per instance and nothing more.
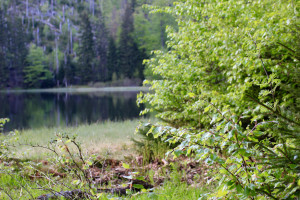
(33, 110)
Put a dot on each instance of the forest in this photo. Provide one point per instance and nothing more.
(223, 100)
(59, 43)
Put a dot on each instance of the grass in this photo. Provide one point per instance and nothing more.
(18, 187)
(174, 188)
(109, 138)
(171, 190)
(112, 139)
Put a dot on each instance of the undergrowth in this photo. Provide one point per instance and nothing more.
(67, 167)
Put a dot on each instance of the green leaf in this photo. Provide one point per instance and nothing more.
(178, 153)
(126, 166)
(89, 162)
(192, 95)
(141, 178)
(138, 186)
(206, 109)
(239, 188)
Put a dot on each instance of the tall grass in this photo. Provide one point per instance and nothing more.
(172, 191)
(109, 138)
(16, 186)
(95, 138)
(22, 188)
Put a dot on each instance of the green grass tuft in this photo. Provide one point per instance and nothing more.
(112, 139)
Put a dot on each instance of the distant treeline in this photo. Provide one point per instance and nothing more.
(47, 43)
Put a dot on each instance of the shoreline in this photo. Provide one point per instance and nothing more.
(78, 90)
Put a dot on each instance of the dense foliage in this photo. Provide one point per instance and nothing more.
(74, 37)
(229, 92)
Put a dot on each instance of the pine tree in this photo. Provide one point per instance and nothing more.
(13, 49)
(86, 52)
(127, 43)
(139, 62)
(112, 59)
(101, 48)
(17, 51)
(69, 71)
(3, 45)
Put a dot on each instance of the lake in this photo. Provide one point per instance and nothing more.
(48, 108)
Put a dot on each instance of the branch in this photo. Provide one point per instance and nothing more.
(286, 47)
(269, 195)
(256, 125)
(21, 185)
(37, 146)
(10, 197)
(77, 165)
(234, 176)
(274, 112)
(263, 64)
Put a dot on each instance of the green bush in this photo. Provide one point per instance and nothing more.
(229, 92)
(151, 145)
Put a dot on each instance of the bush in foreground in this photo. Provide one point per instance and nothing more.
(229, 92)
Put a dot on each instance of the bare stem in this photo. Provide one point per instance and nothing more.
(10, 197)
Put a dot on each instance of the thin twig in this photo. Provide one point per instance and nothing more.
(39, 146)
(21, 185)
(232, 175)
(78, 167)
(269, 195)
(6, 193)
(286, 47)
(274, 112)
(52, 191)
(263, 64)
(257, 124)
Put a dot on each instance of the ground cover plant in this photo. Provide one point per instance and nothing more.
(67, 171)
(107, 138)
(229, 93)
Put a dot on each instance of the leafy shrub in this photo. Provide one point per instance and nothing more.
(6, 141)
(2, 122)
(151, 146)
(229, 92)
(65, 160)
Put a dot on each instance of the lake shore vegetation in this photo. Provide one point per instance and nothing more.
(229, 94)
(109, 138)
(79, 89)
(226, 100)
(57, 162)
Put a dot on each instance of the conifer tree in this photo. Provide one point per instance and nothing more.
(112, 59)
(127, 44)
(139, 66)
(86, 51)
(69, 71)
(17, 50)
(3, 46)
(101, 48)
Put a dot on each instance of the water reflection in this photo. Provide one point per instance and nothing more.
(33, 110)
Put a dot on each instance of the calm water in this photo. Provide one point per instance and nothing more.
(33, 110)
